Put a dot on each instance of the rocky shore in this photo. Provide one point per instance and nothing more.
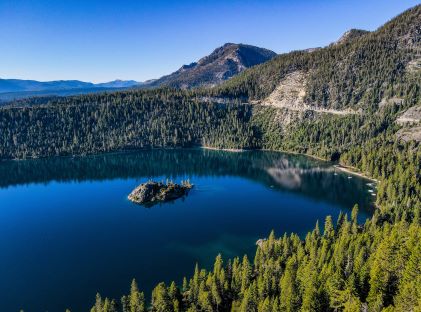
(152, 192)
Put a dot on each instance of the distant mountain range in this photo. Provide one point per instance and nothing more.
(17, 85)
(222, 64)
(16, 89)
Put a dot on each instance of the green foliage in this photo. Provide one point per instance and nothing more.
(375, 266)
(347, 267)
(357, 73)
(397, 166)
(320, 273)
(121, 121)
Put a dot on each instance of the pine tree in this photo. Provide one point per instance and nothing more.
(161, 301)
(354, 218)
(329, 230)
(409, 295)
(136, 298)
(290, 299)
(246, 271)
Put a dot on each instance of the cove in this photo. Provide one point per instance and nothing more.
(68, 231)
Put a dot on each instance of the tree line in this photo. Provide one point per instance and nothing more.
(374, 266)
(344, 267)
(357, 73)
(96, 123)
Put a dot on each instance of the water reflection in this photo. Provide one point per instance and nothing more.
(295, 173)
(72, 219)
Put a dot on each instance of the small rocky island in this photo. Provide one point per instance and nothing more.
(152, 192)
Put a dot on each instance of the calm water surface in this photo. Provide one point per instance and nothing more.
(68, 231)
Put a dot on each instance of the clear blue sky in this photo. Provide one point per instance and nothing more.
(100, 40)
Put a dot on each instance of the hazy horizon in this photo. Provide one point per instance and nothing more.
(101, 41)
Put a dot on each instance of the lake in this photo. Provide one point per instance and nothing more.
(68, 231)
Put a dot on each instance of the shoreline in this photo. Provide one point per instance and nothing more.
(308, 155)
(293, 153)
(343, 168)
(232, 150)
(347, 169)
(135, 150)
(353, 171)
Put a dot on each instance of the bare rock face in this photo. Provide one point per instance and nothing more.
(392, 101)
(213, 69)
(153, 192)
(410, 116)
(410, 134)
(290, 92)
(414, 66)
(289, 97)
(350, 35)
(410, 120)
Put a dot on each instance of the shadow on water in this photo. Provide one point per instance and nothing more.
(280, 171)
(70, 217)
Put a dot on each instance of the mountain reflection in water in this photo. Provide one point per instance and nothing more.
(296, 173)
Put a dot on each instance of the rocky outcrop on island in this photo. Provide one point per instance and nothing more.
(260, 242)
(152, 192)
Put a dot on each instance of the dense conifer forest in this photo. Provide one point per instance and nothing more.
(122, 121)
(357, 73)
(339, 266)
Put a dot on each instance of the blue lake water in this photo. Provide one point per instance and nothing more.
(68, 231)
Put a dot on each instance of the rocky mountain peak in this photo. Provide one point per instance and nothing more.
(223, 63)
(351, 35)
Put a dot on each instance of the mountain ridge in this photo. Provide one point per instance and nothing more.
(13, 89)
(223, 63)
(350, 35)
(375, 65)
(343, 266)
(22, 85)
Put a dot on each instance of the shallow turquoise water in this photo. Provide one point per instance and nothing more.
(68, 231)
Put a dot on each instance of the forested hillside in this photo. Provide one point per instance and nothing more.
(340, 265)
(121, 121)
(362, 72)
(359, 72)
